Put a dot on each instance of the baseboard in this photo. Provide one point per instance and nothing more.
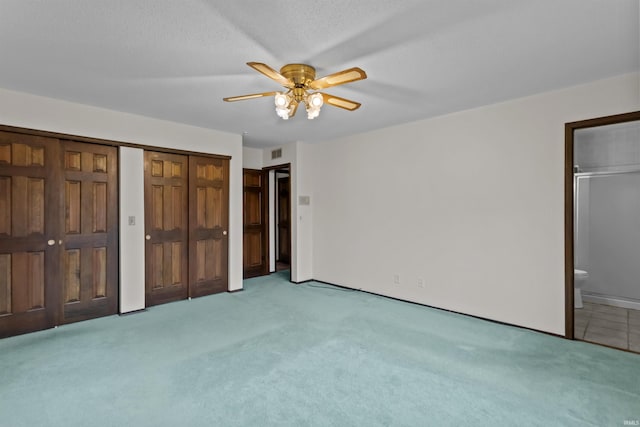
(610, 300)
(132, 312)
(441, 309)
(233, 291)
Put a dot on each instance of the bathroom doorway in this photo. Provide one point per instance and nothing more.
(602, 207)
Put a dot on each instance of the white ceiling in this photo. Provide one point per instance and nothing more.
(177, 59)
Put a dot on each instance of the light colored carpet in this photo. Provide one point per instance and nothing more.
(279, 354)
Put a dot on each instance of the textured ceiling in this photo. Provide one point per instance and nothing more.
(176, 60)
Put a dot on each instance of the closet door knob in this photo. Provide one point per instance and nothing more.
(51, 242)
(224, 233)
(147, 237)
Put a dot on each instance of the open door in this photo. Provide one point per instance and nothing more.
(255, 237)
(284, 223)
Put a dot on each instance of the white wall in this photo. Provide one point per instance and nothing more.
(132, 251)
(301, 216)
(304, 213)
(24, 110)
(472, 203)
(251, 158)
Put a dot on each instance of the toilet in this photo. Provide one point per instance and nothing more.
(579, 278)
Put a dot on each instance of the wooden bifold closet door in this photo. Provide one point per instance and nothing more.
(186, 218)
(58, 232)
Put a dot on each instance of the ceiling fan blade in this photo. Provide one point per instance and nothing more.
(339, 78)
(336, 101)
(271, 73)
(252, 96)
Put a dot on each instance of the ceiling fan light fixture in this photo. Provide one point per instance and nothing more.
(282, 100)
(283, 113)
(314, 103)
(284, 107)
(315, 100)
(312, 113)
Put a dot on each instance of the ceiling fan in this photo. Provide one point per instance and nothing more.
(300, 79)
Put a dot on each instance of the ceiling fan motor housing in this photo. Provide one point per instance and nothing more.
(300, 74)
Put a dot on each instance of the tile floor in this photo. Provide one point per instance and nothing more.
(605, 324)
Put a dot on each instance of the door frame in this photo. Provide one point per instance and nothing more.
(100, 141)
(569, 129)
(267, 170)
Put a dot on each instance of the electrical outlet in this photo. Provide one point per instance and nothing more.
(420, 282)
(396, 279)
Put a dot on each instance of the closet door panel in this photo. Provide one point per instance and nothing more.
(90, 231)
(29, 250)
(167, 227)
(208, 225)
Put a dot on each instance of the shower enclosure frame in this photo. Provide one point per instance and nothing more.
(569, 130)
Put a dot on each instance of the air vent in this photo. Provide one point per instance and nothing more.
(276, 154)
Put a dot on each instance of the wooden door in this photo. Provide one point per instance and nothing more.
(255, 238)
(284, 220)
(89, 274)
(166, 224)
(29, 234)
(208, 225)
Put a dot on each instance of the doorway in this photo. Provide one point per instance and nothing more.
(602, 204)
(267, 221)
(282, 219)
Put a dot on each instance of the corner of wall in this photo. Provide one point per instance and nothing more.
(304, 213)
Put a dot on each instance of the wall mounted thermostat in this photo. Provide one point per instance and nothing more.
(304, 200)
